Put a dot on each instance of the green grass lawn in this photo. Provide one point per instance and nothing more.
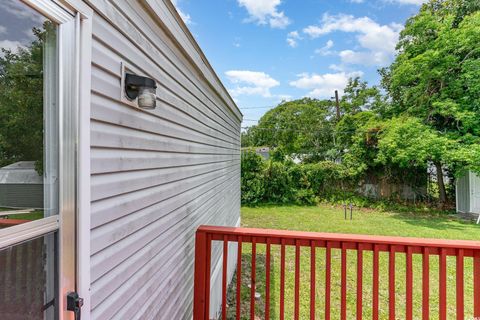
(329, 219)
(34, 215)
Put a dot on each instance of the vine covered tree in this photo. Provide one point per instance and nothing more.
(436, 78)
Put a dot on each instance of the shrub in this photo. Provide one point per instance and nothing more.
(252, 177)
(282, 182)
(278, 183)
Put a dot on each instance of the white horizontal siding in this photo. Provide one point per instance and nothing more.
(155, 175)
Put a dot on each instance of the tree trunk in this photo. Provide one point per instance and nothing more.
(441, 185)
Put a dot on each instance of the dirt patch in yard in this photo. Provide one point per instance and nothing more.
(245, 289)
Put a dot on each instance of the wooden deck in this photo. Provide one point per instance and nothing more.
(4, 223)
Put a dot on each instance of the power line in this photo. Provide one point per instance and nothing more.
(314, 130)
(251, 108)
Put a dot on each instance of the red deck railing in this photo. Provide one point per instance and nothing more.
(343, 243)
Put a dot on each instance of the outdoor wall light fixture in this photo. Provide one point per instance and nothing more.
(142, 88)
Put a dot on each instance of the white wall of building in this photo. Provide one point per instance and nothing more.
(155, 175)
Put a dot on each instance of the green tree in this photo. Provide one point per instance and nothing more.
(252, 179)
(247, 138)
(302, 127)
(409, 143)
(358, 96)
(436, 78)
(436, 75)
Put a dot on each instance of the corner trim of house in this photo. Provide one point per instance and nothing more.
(83, 156)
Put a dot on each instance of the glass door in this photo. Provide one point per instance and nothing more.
(37, 158)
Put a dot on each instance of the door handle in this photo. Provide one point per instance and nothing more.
(75, 303)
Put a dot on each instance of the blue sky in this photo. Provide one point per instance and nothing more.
(266, 51)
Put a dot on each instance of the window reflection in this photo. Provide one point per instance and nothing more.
(28, 115)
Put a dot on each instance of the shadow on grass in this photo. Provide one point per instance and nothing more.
(432, 221)
(260, 272)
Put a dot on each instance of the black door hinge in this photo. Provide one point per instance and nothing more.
(75, 303)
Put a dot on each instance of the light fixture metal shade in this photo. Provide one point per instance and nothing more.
(142, 88)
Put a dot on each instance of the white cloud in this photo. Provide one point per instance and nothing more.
(251, 83)
(11, 45)
(376, 40)
(265, 12)
(325, 50)
(324, 85)
(357, 1)
(3, 29)
(185, 16)
(292, 39)
(414, 2)
(378, 58)
(284, 97)
(337, 67)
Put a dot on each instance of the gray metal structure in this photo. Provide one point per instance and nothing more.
(468, 194)
(21, 186)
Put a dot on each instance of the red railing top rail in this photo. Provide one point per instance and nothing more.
(275, 236)
(361, 243)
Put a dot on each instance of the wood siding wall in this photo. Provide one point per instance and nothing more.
(156, 175)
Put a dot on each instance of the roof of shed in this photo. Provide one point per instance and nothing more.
(22, 172)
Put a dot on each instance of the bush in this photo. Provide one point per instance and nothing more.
(284, 182)
(252, 178)
(278, 183)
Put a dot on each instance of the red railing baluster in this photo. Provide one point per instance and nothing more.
(282, 280)
(442, 302)
(391, 245)
(328, 288)
(343, 307)
(312, 279)
(297, 281)
(267, 280)
(426, 284)
(208, 273)
(409, 280)
(200, 291)
(239, 278)
(224, 277)
(391, 283)
(476, 284)
(253, 278)
(359, 281)
(376, 282)
(460, 285)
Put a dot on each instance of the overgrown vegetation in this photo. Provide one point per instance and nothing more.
(424, 116)
(286, 182)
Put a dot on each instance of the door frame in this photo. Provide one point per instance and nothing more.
(74, 19)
